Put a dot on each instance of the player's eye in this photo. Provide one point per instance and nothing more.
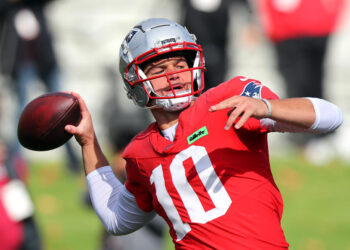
(156, 71)
(181, 65)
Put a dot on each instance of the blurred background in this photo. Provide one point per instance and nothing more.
(77, 50)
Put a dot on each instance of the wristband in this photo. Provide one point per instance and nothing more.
(268, 105)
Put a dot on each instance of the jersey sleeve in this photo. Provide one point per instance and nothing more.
(239, 86)
(267, 93)
(264, 93)
(136, 184)
(245, 87)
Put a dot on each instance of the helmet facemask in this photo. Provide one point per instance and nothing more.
(178, 94)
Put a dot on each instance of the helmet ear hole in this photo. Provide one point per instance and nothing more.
(140, 96)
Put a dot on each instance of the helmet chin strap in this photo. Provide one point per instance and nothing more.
(175, 104)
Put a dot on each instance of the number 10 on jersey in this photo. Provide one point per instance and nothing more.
(190, 199)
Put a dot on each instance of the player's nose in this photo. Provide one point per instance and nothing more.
(172, 72)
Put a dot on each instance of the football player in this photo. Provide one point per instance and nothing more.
(203, 165)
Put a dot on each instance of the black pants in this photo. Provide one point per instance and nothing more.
(32, 240)
(211, 31)
(301, 63)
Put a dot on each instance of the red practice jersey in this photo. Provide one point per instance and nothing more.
(213, 187)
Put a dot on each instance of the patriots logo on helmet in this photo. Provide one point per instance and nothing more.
(130, 36)
(252, 89)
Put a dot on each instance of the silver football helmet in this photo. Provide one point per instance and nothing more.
(149, 41)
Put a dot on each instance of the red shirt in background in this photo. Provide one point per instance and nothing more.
(11, 232)
(283, 20)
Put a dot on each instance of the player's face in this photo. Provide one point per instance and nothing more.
(180, 81)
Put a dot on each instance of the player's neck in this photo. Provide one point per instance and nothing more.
(165, 119)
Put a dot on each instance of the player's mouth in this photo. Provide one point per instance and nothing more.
(177, 87)
(174, 90)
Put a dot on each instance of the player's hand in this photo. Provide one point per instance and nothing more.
(84, 133)
(243, 107)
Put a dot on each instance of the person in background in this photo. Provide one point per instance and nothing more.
(27, 54)
(301, 31)
(18, 228)
(210, 21)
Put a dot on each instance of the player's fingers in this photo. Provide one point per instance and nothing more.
(232, 117)
(222, 105)
(85, 114)
(75, 130)
(82, 103)
(228, 103)
(245, 116)
(70, 129)
(79, 134)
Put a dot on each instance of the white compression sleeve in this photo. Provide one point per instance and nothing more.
(328, 118)
(114, 204)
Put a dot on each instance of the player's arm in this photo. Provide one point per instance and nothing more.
(328, 117)
(302, 113)
(84, 133)
(114, 204)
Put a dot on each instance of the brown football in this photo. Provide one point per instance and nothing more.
(41, 124)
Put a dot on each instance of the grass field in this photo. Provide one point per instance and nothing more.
(316, 203)
(65, 221)
(316, 206)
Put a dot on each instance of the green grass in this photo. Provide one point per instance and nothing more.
(316, 205)
(64, 220)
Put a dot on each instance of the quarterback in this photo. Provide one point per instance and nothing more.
(203, 165)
